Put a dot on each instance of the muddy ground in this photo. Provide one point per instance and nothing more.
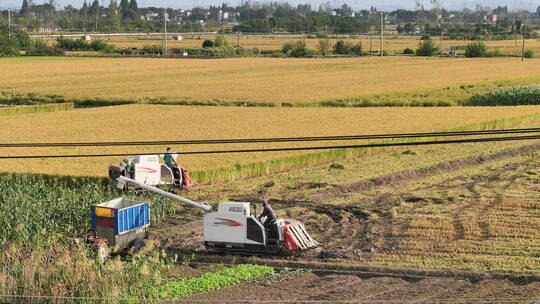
(330, 288)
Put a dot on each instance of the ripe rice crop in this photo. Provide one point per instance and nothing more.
(153, 122)
(270, 81)
(392, 44)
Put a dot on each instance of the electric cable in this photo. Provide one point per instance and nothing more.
(398, 144)
(270, 140)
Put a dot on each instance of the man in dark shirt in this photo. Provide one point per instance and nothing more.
(268, 212)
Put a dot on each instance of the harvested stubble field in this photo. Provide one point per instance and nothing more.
(253, 80)
(160, 122)
(460, 207)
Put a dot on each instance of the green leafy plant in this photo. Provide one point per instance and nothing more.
(214, 280)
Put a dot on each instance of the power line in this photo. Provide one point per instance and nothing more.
(400, 144)
(269, 140)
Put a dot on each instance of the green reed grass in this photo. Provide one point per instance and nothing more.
(19, 110)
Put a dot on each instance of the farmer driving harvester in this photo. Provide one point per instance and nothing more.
(169, 158)
(268, 213)
(170, 161)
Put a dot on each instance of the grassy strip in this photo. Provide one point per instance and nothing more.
(278, 165)
(214, 280)
(19, 110)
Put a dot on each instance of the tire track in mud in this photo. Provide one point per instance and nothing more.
(407, 176)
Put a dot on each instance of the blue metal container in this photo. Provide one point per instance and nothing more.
(120, 221)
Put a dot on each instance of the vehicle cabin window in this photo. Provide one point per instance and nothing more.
(236, 209)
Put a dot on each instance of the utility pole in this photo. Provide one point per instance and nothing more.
(441, 40)
(9, 22)
(382, 34)
(515, 29)
(165, 16)
(523, 47)
(370, 45)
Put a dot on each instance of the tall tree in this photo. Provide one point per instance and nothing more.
(124, 8)
(84, 10)
(95, 13)
(25, 9)
(114, 16)
(134, 8)
(94, 8)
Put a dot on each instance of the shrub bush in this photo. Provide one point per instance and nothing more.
(324, 47)
(357, 49)
(342, 47)
(296, 49)
(151, 50)
(221, 41)
(208, 44)
(476, 49)
(529, 54)
(408, 51)
(97, 45)
(427, 48)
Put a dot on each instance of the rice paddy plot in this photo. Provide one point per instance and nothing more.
(160, 122)
(251, 80)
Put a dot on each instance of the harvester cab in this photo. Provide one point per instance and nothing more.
(148, 170)
(236, 227)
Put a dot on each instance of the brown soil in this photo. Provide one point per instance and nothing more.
(335, 287)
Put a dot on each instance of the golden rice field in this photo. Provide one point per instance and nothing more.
(392, 44)
(268, 80)
(159, 122)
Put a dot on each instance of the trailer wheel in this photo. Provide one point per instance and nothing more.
(138, 245)
(102, 253)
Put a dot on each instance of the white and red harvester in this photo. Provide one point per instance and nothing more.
(236, 227)
(148, 170)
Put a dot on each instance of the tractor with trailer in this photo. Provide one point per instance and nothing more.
(234, 227)
(148, 170)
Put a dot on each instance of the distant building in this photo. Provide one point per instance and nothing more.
(490, 18)
(5, 14)
(151, 16)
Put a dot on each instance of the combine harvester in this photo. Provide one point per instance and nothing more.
(147, 170)
(235, 227)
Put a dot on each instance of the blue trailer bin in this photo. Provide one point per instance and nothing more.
(121, 221)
